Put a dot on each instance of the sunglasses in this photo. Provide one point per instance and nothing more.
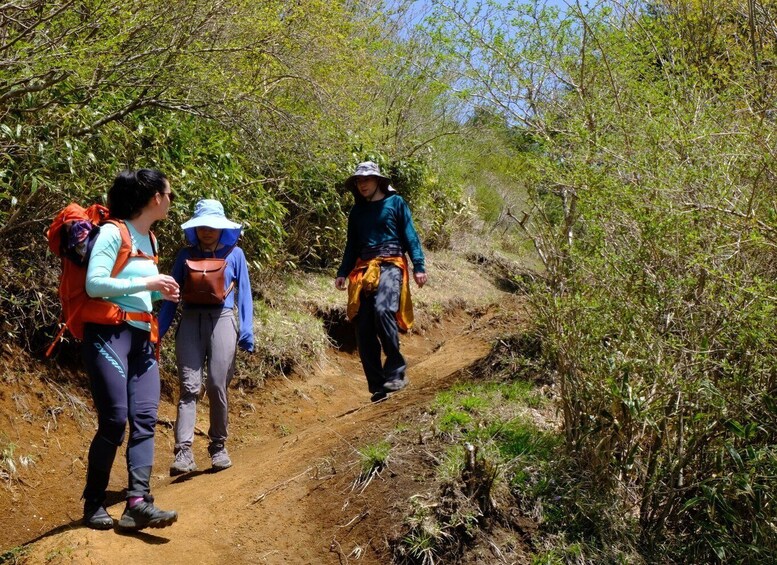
(170, 195)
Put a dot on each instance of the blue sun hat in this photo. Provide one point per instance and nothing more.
(210, 213)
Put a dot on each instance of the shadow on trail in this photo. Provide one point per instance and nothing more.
(143, 536)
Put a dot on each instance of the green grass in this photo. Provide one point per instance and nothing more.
(451, 465)
(284, 341)
(374, 457)
(519, 438)
(453, 421)
(13, 556)
(7, 461)
(473, 404)
(468, 407)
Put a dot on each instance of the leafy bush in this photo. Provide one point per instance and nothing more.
(651, 206)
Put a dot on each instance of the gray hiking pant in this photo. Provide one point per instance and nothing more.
(376, 329)
(204, 336)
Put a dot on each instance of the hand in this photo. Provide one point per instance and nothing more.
(165, 285)
(420, 279)
(174, 296)
(341, 283)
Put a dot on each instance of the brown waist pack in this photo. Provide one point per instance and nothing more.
(204, 281)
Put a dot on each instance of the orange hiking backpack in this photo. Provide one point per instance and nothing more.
(71, 237)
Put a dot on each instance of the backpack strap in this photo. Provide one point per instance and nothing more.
(127, 251)
(193, 248)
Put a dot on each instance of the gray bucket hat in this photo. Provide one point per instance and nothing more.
(368, 169)
(210, 213)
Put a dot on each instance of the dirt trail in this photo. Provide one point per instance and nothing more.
(290, 496)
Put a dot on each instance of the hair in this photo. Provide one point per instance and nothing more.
(132, 190)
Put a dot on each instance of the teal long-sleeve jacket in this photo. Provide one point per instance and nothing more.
(383, 222)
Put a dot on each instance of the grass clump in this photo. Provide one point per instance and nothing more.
(426, 539)
(497, 452)
(373, 458)
(14, 556)
(285, 341)
(454, 422)
(519, 438)
(8, 469)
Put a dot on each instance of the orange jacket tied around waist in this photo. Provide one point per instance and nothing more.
(366, 276)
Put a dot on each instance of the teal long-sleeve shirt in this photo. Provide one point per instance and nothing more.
(383, 222)
(127, 289)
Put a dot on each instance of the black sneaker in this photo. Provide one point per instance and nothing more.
(378, 396)
(96, 517)
(145, 515)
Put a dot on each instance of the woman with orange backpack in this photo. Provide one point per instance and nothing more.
(120, 356)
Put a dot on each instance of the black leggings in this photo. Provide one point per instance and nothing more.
(124, 377)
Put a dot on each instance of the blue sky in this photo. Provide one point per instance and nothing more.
(419, 8)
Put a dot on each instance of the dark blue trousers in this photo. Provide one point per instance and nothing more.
(376, 330)
(124, 378)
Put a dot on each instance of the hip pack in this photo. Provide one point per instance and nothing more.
(204, 281)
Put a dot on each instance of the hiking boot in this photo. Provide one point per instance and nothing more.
(395, 385)
(145, 515)
(184, 462)
(219, 458)
(378, 396)
(96, 517)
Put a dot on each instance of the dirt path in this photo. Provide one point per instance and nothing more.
(290, 497)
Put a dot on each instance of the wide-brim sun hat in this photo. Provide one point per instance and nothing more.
(210, 213)
(368, 169)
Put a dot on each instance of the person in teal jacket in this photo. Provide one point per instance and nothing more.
(380, 226)
(208, 334)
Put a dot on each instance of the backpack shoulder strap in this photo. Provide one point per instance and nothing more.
(125, 249)
(152, 237)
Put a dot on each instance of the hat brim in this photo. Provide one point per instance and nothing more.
(383, 182)
(215, 222)
(230, 231)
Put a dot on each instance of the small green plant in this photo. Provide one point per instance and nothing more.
(444, 400)
(449, 469)
(473, 404)
(520, 438)
(518, 391)
(373, 459)
(13, 556)
(421, 544)
(286, 340)
(7, 461)
(453, 421)
(426, 538)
